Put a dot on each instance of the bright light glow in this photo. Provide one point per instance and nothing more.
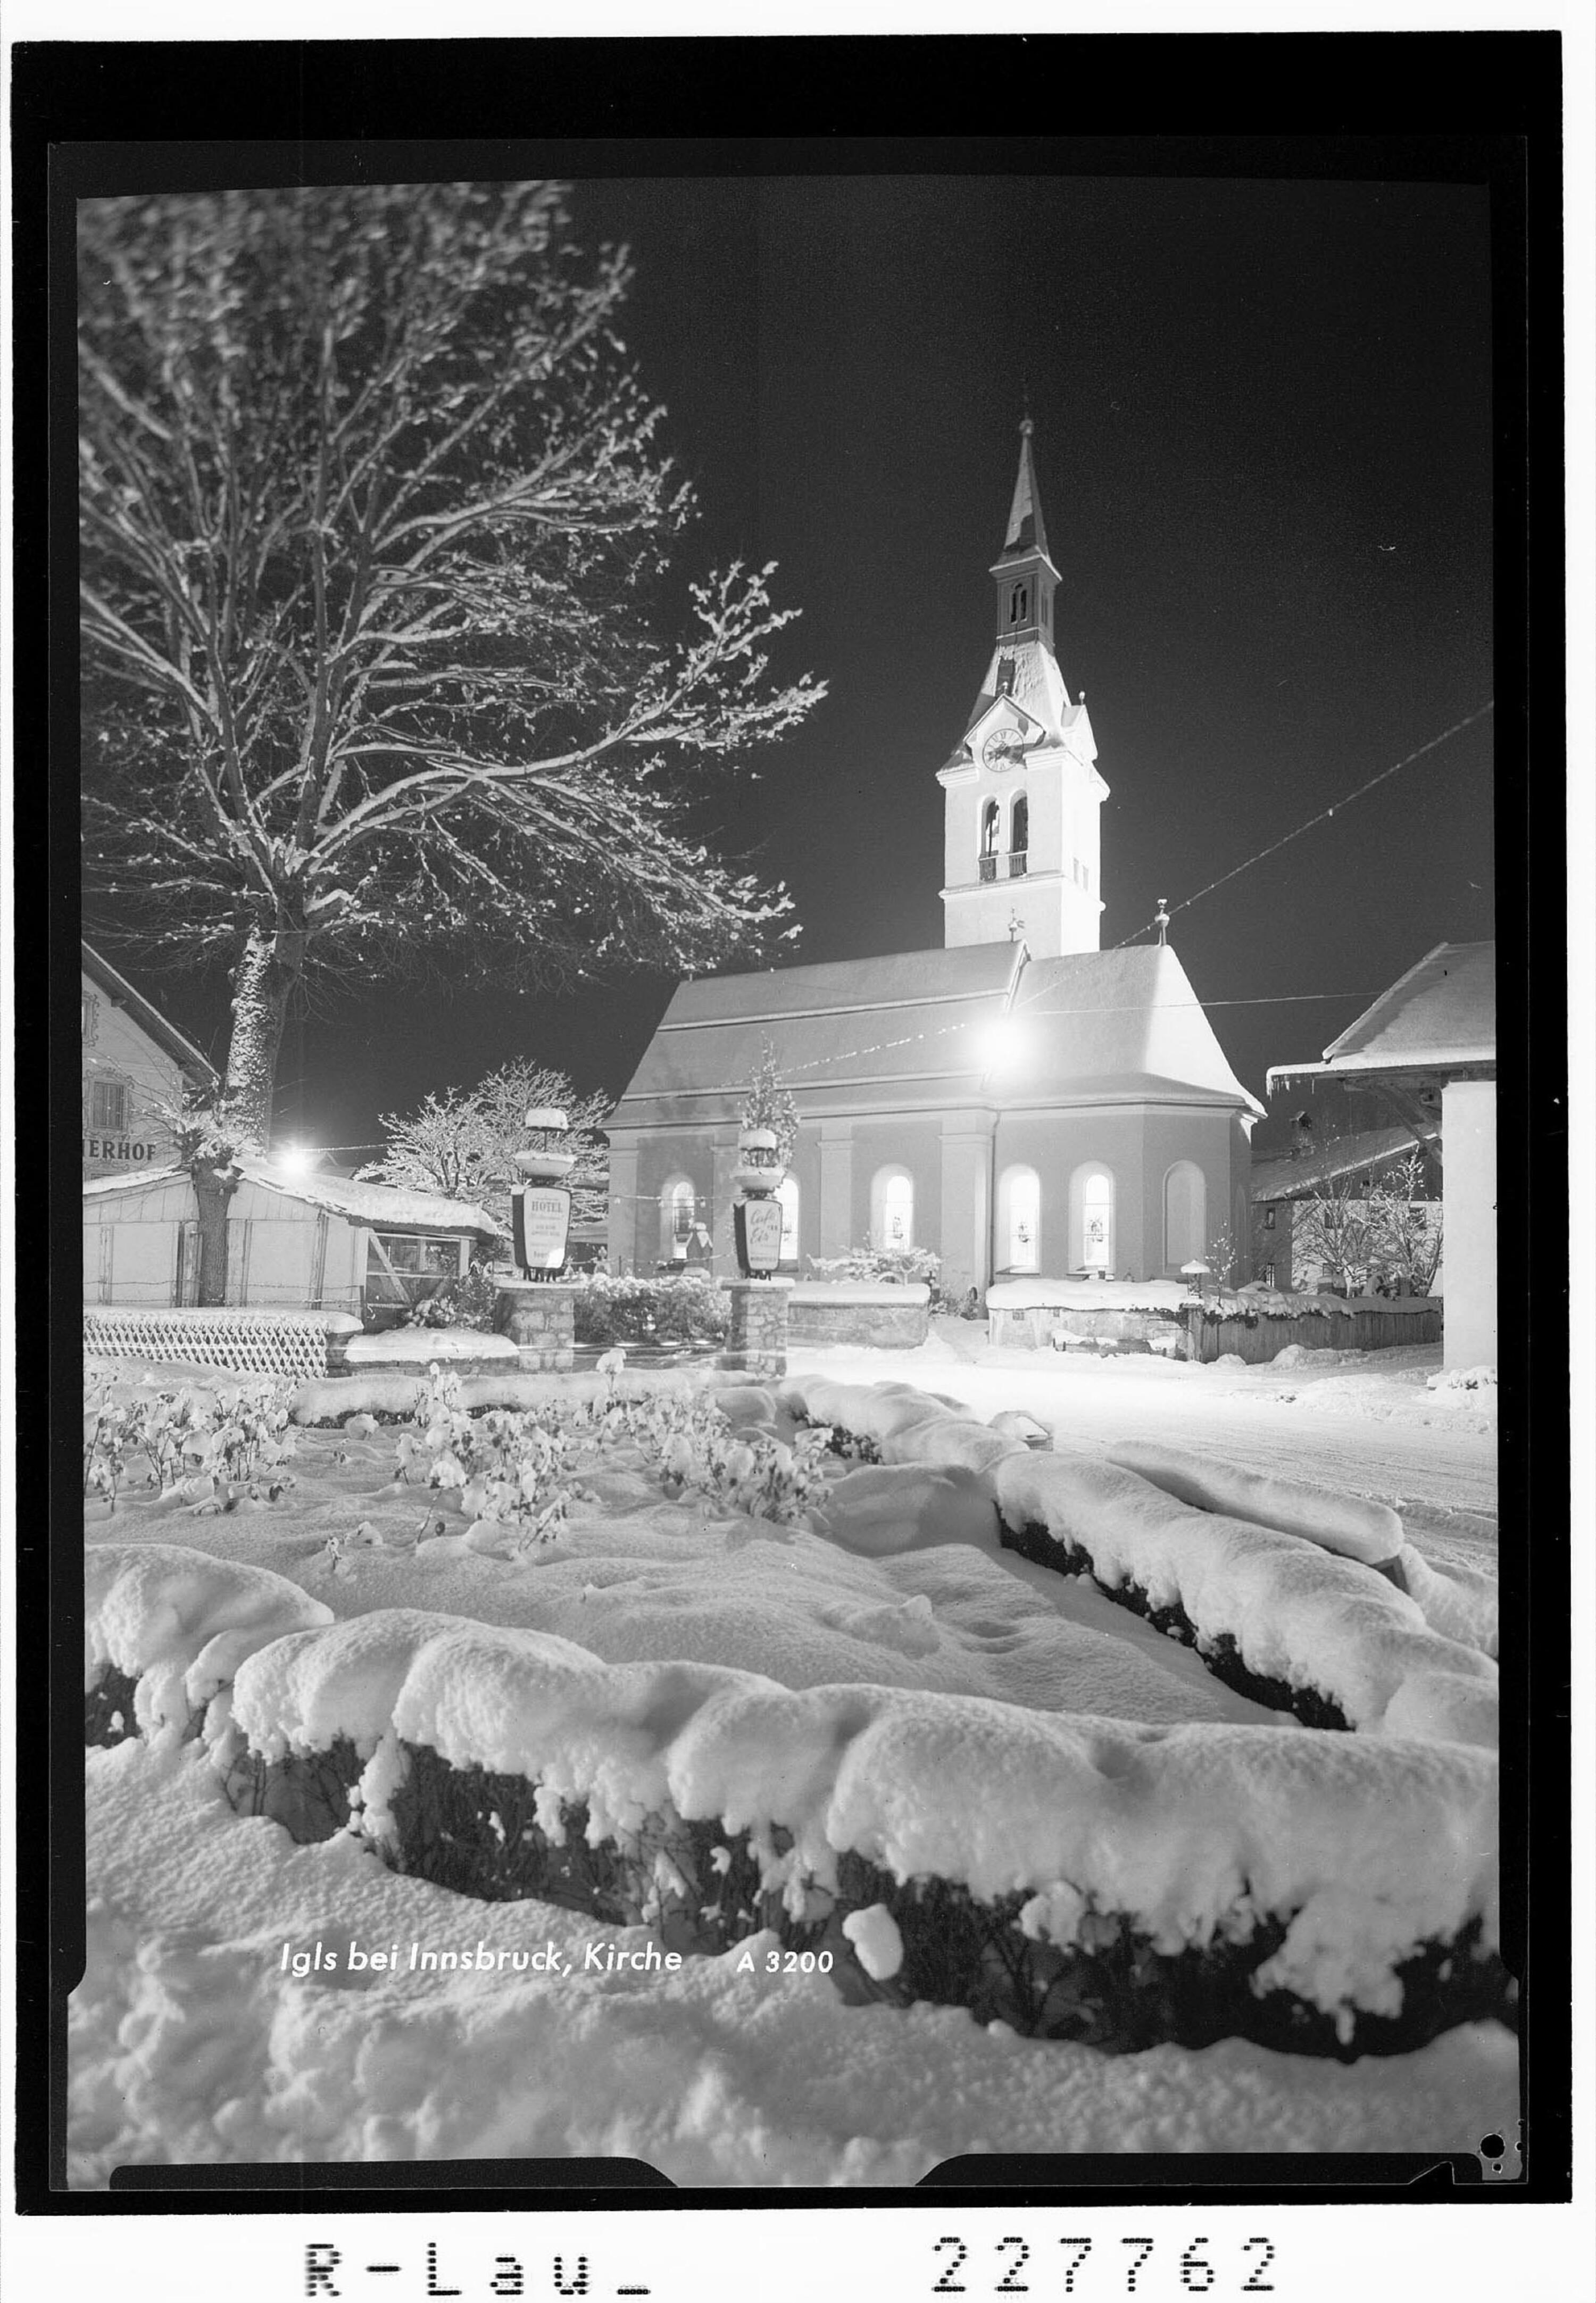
(295, 1159)
(1003, 1044)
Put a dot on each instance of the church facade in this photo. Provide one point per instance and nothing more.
(1018, 1102)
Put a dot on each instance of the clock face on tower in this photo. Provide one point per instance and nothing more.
(1002, 747)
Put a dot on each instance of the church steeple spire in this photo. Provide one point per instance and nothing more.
(1025, 531)
(1026, 578)
(1023, 791)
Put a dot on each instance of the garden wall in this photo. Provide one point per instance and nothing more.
(891, 1315)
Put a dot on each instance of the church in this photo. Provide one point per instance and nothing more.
(1019, 1102)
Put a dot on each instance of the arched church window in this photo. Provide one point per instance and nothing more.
(1092, 1197)
(1019, 1218)
(1019, 836)
(1186, 1214)
(1018, 602)
(892, 1208)
(989, 841)
(787, 1200)
(678, 1205)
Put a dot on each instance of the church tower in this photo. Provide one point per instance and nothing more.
(1022, 790)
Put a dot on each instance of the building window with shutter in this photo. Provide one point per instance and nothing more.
(108, 1102)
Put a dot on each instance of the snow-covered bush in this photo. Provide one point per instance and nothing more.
(1080, 1876)
(204, 1447)
(507, 1470)
(1287, 1622)
(459, 1302)
(681, 1308)
(165, 1628)
(693, 1445)
(886, 1263)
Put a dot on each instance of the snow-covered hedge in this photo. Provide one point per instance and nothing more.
(1253, 1599)
(164, 1629)
(900, 1424)
(1344, 1887)
(1251, 1579)
(1459, 1602)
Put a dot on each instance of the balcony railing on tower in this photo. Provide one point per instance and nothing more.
(1017, 863)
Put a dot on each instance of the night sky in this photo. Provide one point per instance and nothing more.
(1263, 440)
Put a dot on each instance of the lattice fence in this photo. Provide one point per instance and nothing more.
(260, 1342)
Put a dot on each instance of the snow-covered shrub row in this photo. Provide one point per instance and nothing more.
(1459, 1602)
(1345, 1643)
(1289, 1858)
(680, 1308)
(1361, 1530)
(902, 1425)
(393, 1396)
(1236, 1578)
(197, 1444)
(518, 1473)
(164, 1629)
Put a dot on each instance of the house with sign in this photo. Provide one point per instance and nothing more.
(296, 1241)
(136, 1066)
(1019, 1102)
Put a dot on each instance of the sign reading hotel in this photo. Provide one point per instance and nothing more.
(542, 1217)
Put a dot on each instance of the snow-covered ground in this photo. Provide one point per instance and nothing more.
(191, 2041)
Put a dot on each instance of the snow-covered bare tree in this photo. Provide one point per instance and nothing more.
(1408, 1227)
(383, 669)
(463, 1145)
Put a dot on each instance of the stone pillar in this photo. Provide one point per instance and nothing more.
(623, 1225)
(537, 1315)
(1468, 1223)
(756, 1344)
(836, 1186)
(967, 1203)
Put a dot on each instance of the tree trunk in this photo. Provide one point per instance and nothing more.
(268, 967)
(213, 1189)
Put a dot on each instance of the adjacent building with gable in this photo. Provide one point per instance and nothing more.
(136, 1066)
(1020, 1101)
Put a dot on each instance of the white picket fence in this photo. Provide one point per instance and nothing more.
(256, 1342)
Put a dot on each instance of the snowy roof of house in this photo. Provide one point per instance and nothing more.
(144, 1013)
(1439, 1016)
(1345, 1155)
(371, 1203)
(340, 1195)
(914, 1031)
(134, 1179)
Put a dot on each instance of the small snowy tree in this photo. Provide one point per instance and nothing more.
(380, 669)
(1407, 1229)
(769, 1104)
(1334, 1229)
(463, 1143)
